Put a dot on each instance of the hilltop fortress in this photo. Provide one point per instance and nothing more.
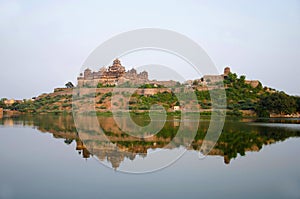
(117, 74)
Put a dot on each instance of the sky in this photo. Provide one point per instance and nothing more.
(43, 44)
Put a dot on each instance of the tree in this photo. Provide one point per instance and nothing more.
(2, 104)
(279, 103)
(297, 99)
(231, 78)
(242, 79)
(69, 85)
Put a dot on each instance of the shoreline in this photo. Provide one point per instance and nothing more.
(12, 113)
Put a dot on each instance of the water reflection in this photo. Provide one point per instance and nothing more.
(237, 137)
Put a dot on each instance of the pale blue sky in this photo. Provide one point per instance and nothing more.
(44, 43)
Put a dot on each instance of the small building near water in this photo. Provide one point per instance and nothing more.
(9, 102)
(176, 108)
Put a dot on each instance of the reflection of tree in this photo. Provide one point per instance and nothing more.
(237, 137)
(68, 141)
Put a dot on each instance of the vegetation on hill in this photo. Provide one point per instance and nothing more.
(264, 101)
(278, 103)
(142, 102)
(44, 103)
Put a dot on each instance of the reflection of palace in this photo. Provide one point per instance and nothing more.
(237, 137)
(82, 149)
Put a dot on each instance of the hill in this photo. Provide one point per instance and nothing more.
(243, 99)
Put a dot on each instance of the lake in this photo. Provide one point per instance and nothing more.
(46, 156)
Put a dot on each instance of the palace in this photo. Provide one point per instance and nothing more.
(114, 75)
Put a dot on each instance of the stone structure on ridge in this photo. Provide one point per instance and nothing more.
(114, 75)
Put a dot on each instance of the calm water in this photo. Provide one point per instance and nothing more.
(44, 157)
